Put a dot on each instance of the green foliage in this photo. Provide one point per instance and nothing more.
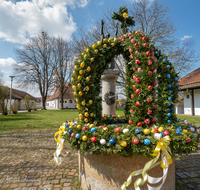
(4, 96)
(28, 103)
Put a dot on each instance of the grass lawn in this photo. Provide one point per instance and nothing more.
(191, 119)
(41, 119)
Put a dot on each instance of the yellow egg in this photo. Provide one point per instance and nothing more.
(72, 79)
(74, 87)
(79, 85)
(94, 46)
(123, 143)
(86, 120)
(78, 107)
(92, 59)
(87, 50)
(99, 43)
(79, 77)
(88, 124)
(82, 53)
(75, 93)
(75, 67)
(81, 72)
(115, 39)
(70, 127)
(110, 39)
(104, 45)
(82, 65)
(185, 131)
(105, 128)
(90, 102)
(81, 115)
(80, 93)
(118, 116)
(146, 131)
(74, 72)
(104, 40)
(152, 130)
(85, 55)
(91, 115)
(104, 118)
(88, 68)
(84, 138)
(83, 103)
(79, 61)
(87, 79)
(112, 44)
(96, 51)
(91, 125)
(86, 114)
(87, 88)
(160, 129)
(79, 126)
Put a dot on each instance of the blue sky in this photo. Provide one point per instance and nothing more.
(21, 19)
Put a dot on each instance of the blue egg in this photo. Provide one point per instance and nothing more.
(168, 66)
(190, 125)
(162, 134)
(176, 84)
(169, 114)
(156, 52)
(112, 125)
(170, 99)
(168, 109)
(173, 111)
(166, 57)
(67, 125)
(93, 129)
(117, 118)
(159, 51)
(110, 118)
(70, 131)
(169, 121)
(112, 141)
(168, 76)
(73, 124)
(194, 135)
(77, 136)
(160, 58)
(109, 114)
(175, 78)
(178, 132)
(165, 61)
(147, 141)
(85, 125)
(170, 63)
(179, 128)
(138, 131)
(168, 104)
(169, 85)
(170, 91)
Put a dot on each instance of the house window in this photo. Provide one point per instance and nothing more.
(70, 101)
(74, 101)
(65, 101)
(60, 101)
(188, 96)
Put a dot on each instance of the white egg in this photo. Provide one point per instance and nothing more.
(157, 136)
(103, 141)
(192, 129)
(125, 130)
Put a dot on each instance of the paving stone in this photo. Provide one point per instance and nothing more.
(191, 174)
(180, 174)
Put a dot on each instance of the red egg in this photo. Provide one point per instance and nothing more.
(156, 106)
(118, 129)
(132, 57)
(188, 139)
(100, 126)
(152, 53)
(132, 95)
(136, 32)
(137, 80)
(138, 104)
(148, 53)
(154, 119)
(129, 34)
(136, 52)
(131, 110)
(154, 70)
(132, 41)
(135, 141)
(134, 69)
(145, 45)
(149, 112)
(113, 116)
(134, 77)
(149, 62)
(155, 59)
(139, 124)
(137, 62)
(147, 121)
(72, 135)
(144, 38)
(135, 45)
(130, 122)
(94, 139)
(149, 73)
(141, 34)
(149, 99)
(137, 91)
(134, 86)
(155, 83)
(149, 87)
(84, 128)
(130, 37)
(156, 130)
(139, 70)
(130, 50)
(166, 133)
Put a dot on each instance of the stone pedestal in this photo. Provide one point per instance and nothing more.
(109, 78)
(109, 172)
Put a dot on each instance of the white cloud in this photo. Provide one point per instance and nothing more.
(101, 3)
(26, 18)
(186, 37)
(6, 66)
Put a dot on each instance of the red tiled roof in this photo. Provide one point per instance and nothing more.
(18, 94)
(69, 93)
(192, 80)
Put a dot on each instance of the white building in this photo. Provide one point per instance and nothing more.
(190, 84)
(68, 102)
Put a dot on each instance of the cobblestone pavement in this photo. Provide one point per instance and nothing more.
(26, 163)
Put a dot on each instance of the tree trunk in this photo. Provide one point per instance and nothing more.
(61, 101)
(43, 103)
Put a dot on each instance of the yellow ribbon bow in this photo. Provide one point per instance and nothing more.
(163, 144)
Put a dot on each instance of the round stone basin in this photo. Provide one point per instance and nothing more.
(110, 171)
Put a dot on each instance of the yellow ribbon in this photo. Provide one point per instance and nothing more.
(163, 144)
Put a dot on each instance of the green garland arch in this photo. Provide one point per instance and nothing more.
(151, 93)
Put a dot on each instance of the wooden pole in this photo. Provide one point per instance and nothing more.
(192, 102)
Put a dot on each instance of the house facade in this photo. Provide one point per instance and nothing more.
(68, 100)
(190, 85)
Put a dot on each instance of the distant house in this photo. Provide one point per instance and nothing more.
(18, 95)
(190, 84)
(68, 100)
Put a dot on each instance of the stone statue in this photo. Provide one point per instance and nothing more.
(102, 34)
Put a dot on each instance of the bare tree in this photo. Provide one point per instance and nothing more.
(4, 95)
(64, 66)
(36, 64)
(152, 18)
